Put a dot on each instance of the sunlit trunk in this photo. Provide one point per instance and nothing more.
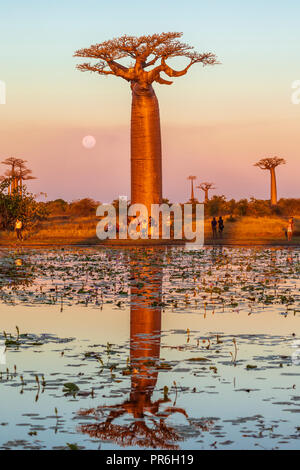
(146, 166)
(206, 196)
(273, 187)
(192, 190)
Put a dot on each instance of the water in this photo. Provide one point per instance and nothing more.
(167, 348)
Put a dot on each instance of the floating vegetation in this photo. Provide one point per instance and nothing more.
(173, 380)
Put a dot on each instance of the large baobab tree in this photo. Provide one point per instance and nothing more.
(206, 187)
(192, 179)
(147, 57)
(270, 164)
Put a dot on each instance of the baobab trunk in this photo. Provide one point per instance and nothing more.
(206, 196)
(273, 187)
(145, 321)
(192, 191)
(146, 166)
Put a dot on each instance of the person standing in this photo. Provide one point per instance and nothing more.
(290, 228)
(221, 226)
(18, 227)
(214, 227)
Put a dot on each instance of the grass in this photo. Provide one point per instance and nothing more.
(256, 230)
(62, 230)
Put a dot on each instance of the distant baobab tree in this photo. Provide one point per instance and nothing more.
(11, 173)
(143, 52)
(17, 173)
(192, 179)
(206, 187)
(270, 164)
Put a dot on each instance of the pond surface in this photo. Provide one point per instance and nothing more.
(150, 348)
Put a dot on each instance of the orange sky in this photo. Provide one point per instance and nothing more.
(216, 122)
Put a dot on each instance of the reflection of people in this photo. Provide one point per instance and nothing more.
(214, 227)
(221, 226)
(290, 228)
(18, 227)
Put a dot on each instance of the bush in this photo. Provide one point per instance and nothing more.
(83, 207)
(57, 207)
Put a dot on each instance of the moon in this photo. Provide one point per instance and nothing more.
(89, 141)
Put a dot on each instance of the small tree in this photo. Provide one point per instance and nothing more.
(83, 207)
(270, 164)
(206, 187)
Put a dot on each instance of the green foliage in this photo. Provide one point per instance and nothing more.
(218, 205)
(83, 207)
(19, 206)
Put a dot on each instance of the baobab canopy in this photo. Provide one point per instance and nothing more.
(270, 162)
(145, 52)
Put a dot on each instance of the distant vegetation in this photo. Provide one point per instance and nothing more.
(82, 207)
(217, 205)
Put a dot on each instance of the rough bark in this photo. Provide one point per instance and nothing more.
(206, 196)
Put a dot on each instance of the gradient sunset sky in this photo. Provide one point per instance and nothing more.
(216, 121)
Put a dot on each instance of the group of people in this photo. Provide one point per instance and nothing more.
(217, 227)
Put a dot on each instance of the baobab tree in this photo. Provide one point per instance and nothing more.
(192, 179)
(11, 173)
(206, 187)
(270, 164)
(17, 173)
(146, 422)
(147, 61)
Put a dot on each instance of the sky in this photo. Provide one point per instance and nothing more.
(216, 121)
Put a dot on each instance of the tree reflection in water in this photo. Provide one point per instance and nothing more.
(148, 427)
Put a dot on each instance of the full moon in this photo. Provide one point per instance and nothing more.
(89, 141)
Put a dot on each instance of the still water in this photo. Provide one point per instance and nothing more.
(150, 348)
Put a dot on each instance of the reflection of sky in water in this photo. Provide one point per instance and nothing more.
(228, 406)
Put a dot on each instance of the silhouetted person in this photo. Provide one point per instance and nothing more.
(221, 226)
(214, 227)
